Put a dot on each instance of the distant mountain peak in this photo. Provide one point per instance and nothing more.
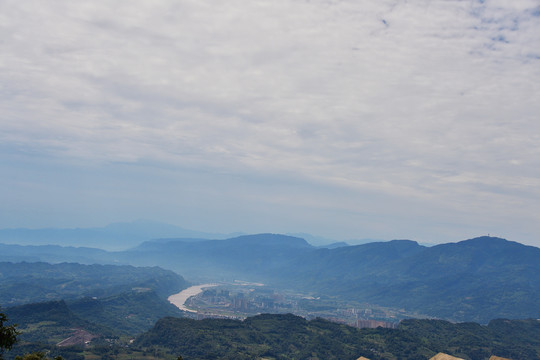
(271, 239)
(491, 242)
(487, 238)
(403, 241)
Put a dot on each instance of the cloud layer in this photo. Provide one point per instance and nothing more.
(344, 118)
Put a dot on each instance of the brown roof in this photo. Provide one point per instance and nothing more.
(362, 358)
(441, 356)
(493, 357)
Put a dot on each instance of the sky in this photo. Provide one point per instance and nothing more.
(385, 119)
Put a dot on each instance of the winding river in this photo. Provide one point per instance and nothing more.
(179, 300)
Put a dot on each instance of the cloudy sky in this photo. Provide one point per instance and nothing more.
(341, 118)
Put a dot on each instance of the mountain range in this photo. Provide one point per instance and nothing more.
(113, 237)
(472, 280)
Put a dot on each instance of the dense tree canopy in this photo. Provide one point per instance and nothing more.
(8, 334)
(36, 356)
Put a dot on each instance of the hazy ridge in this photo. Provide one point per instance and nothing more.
(472, 280)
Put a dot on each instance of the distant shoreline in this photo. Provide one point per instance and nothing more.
(179, 300)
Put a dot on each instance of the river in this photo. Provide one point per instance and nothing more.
(179, 300)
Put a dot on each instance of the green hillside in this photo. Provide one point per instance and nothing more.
(290, 337)
(128, 313)
(22, 283)
(49, 322)
(266, 336)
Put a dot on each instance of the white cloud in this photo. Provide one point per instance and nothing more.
(434, 101)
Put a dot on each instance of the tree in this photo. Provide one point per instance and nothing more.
(8, 335)
(40, 355)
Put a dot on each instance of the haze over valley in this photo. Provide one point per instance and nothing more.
(471, 280)
(377, 284)
(313, 180)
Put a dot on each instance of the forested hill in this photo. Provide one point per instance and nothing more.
(22, 283)
(473, 280)
(130, 312)
(292, 337)
(251, 257)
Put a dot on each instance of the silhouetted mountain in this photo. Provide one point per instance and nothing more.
(249, 257)
(55, 254)
(116, 236)
(334, 245)
(323, 242)
(317, 241)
